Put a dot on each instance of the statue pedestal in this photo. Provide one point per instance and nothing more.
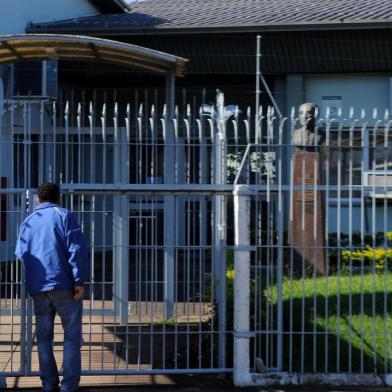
(306, 233)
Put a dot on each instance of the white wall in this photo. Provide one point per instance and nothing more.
(15, 15)
(361, 91)
(381, 220)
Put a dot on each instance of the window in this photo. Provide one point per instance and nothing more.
(35, 78)
(343, 160)
(380, 151)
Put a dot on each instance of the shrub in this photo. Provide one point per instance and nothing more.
(378, 256)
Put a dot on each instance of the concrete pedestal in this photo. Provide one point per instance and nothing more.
(307, 228)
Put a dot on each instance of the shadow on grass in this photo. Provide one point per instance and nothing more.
(336, 324)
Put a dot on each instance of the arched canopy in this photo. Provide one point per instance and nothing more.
(28, 47)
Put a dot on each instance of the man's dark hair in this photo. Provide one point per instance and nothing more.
(48, 191)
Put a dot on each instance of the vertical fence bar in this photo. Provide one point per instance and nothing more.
(169, 206)
(220, 150)
(29, 306)
(280, 255)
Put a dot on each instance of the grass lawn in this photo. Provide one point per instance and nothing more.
(347, 322)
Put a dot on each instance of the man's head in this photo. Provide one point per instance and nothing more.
(48, 192)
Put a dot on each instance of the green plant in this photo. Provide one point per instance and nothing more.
(377, 256)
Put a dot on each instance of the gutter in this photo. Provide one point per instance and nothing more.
(181, 30)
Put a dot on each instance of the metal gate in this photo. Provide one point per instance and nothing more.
(150, 193)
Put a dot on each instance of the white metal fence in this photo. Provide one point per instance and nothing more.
(312, 275)
(212, 237)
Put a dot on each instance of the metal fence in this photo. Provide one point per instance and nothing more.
(219, 242)
(143, 187)
(313, 244)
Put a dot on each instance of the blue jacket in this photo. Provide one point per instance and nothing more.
(52, 247)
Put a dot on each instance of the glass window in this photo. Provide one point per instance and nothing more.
(380, 151)
(343, 161)
(28, 78)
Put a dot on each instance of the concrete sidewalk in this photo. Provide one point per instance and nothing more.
(161, 383)
(161, 388)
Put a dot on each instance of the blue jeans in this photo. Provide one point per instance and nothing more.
(46, 305)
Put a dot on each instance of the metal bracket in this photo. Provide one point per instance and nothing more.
(244, 248)
(244, 334)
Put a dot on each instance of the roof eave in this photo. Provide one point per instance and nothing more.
(120, 4)
(125, 6)
(272, 27)
(29, 47)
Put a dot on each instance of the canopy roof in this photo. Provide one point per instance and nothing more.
(28, 47)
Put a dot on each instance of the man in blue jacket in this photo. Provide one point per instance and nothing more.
(52, 247)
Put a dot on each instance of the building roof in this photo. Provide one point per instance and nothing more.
(192, 15)
(27, 47)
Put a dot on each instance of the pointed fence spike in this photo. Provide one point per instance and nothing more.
(375, 113)
(363, 114)
(188, 110)
(236, 112)
(351, 112)
(386, 114)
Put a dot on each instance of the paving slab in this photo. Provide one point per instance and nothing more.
(167, 383)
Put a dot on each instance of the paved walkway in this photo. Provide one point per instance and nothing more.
(163, 383)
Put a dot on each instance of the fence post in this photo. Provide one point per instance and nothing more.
(169, 201)
(220, 153)
(242, 285)
(121, 228)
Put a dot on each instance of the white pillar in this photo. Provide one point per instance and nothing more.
(242, 286)
(121, 229)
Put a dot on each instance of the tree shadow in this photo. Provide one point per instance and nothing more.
(336, 333)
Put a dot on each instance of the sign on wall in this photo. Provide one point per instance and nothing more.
(334, 103)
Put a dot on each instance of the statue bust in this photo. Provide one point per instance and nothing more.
(305, 135)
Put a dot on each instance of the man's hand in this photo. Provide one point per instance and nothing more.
(79, 293)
